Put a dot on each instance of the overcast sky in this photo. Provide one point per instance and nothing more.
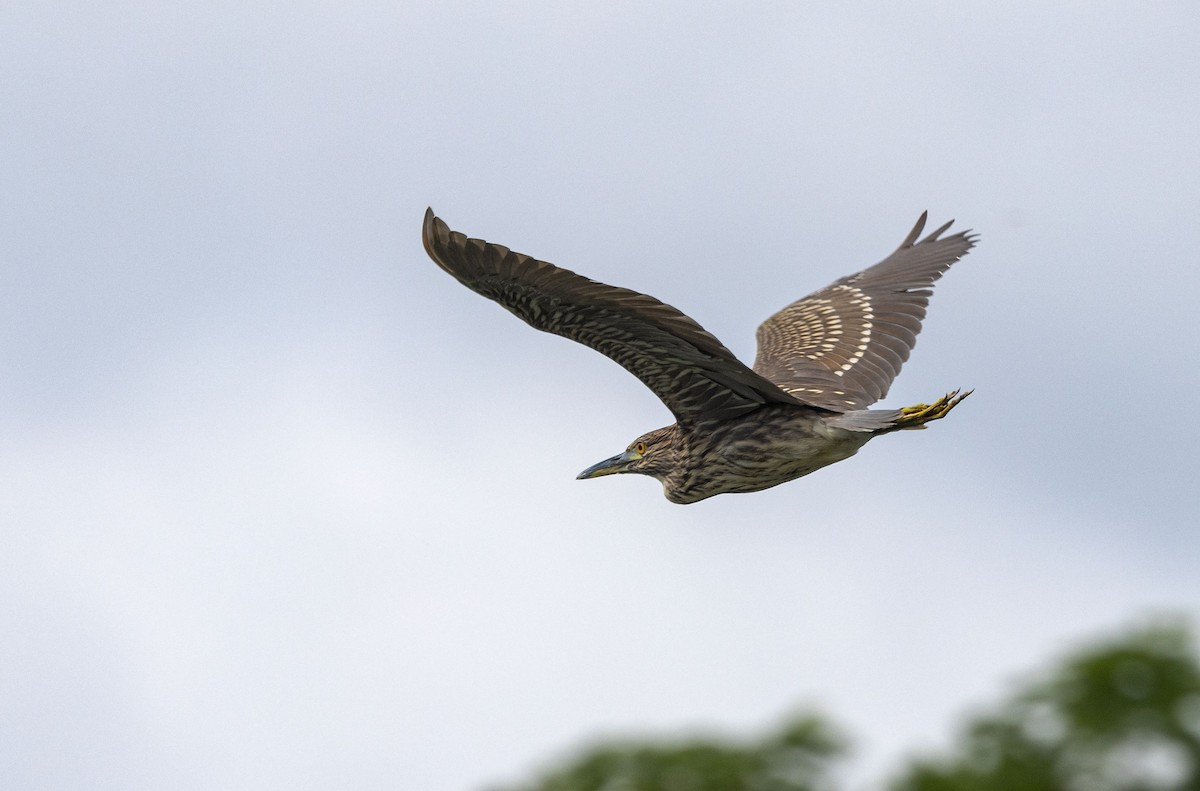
(286, 507)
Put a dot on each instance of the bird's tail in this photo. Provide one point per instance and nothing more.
(883, 421)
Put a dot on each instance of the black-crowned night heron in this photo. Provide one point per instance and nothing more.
(821, 361)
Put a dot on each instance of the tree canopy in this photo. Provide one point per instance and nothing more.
(1120, 715)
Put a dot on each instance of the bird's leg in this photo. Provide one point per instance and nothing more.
(913, 416)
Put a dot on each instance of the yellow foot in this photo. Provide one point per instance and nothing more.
(919, 415)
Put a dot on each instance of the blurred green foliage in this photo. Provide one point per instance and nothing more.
(1117, 716)
(795, 758)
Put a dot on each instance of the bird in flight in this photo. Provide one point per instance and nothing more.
(822, 361)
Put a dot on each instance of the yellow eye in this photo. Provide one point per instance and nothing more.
(641, 448)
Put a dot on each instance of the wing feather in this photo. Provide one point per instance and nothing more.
(684, 365)
(841, 347)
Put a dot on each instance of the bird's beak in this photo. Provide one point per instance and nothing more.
(608, 466)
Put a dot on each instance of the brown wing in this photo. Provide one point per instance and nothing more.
(841, 347)
(694, 375)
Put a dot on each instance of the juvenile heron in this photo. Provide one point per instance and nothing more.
(821, 361)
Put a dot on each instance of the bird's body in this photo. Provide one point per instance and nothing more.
(821, 361)
(749, 453)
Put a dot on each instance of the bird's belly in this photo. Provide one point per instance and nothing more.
(739, 468)
(747, 474)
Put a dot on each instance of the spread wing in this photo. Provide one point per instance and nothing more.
(689, 369)
(841, 347)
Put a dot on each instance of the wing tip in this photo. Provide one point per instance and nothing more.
(916, 231)
(434, 233)
(969, 236)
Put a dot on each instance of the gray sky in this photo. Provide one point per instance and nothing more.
(286, 507)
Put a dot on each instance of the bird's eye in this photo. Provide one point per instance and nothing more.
(641, 448)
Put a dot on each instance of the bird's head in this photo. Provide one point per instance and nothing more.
(650, 454)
